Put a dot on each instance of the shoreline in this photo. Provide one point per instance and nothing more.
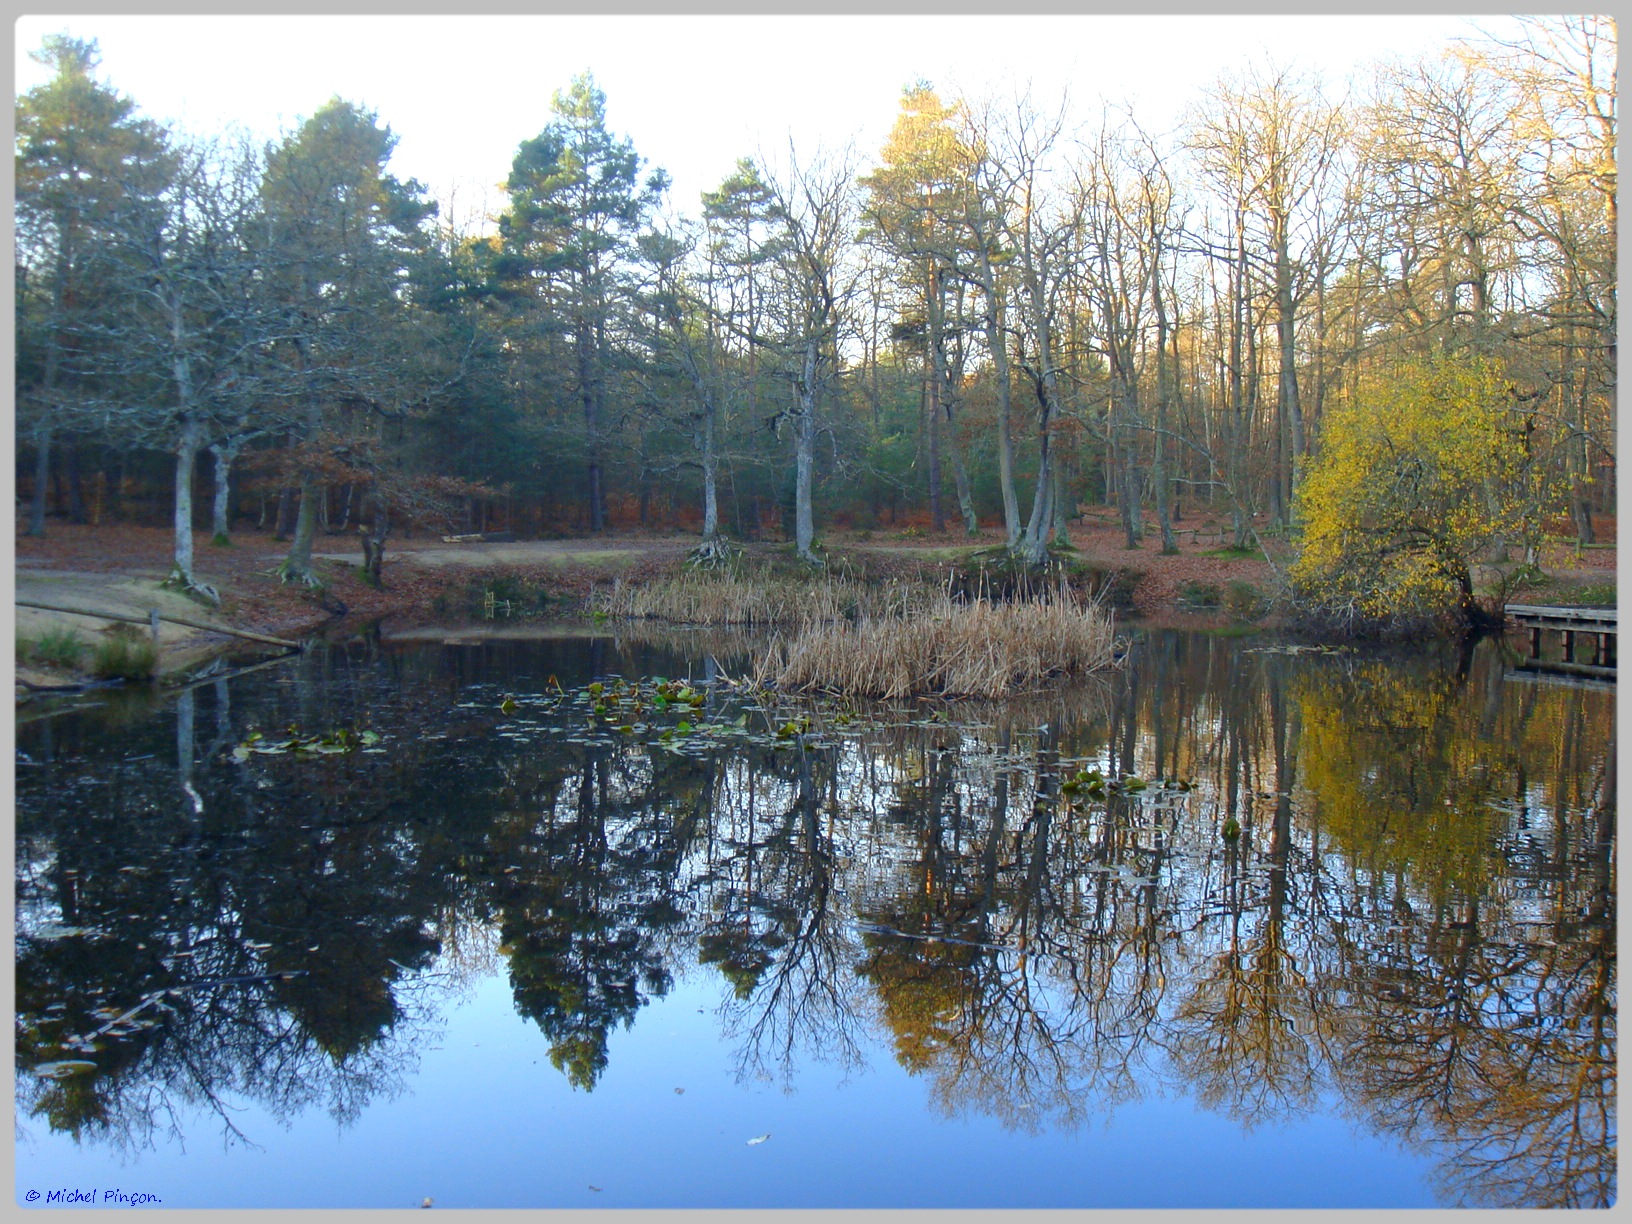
(434, 588)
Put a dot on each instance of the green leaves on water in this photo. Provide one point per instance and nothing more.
(1092, 784)
(680, 730)
(339, 741)
(1090, 781)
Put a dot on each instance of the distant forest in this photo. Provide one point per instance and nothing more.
(1300, 314)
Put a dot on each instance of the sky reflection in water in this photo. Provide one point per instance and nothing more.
(937, 963)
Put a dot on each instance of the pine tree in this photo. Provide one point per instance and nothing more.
(578, 204)
(85, 163)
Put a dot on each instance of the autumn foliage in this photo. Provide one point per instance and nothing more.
(1428, 471)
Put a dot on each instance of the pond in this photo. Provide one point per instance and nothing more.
(1239, 925)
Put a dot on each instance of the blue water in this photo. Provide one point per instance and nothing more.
(487, 1122)
(917, 958)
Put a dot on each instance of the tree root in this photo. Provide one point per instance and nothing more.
(192, 588)
(715, 552)
(297, 575)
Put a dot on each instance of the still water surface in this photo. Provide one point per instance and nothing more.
(479, 943)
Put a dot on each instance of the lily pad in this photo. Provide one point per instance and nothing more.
(63, 1068)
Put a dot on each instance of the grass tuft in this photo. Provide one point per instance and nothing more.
(125, 654)
(56, 647)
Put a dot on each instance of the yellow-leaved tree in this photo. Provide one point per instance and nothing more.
(1428, 470)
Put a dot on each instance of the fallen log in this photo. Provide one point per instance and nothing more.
(148, 620)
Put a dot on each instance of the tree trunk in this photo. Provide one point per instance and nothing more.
(1237, 444)
(1061, 497)
(187, 447)
(76, 486)
(1040, 315)
(932, 373)
(711, 501)
(220, 511)
(1124, 418)
(937, 514)
(1287, 403)
(1579, 457)
(1033, 544)
(42, 477)
(590, 394)
(116, 489)
(1164, 388)
(960, 475)
(373, 541)
(297, 566)
(805, 458)
(996, 346)
(284, 526)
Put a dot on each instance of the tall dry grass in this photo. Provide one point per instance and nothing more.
(978, 649)
(714, 598)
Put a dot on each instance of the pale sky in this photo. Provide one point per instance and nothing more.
(694, 93)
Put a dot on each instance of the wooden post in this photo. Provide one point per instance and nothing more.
(1569, 645)
(153, 624)
(1535, 641)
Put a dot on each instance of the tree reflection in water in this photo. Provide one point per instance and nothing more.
(1416, 923)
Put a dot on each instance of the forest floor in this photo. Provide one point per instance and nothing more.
(426, 581)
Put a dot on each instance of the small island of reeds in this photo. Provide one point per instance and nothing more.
(926, 632)
(945, 649)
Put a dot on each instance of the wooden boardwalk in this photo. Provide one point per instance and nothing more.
(1569, 621)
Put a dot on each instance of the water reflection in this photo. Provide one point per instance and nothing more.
(1415, 924)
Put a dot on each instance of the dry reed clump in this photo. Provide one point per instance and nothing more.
(978, 649)
(735, 599)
